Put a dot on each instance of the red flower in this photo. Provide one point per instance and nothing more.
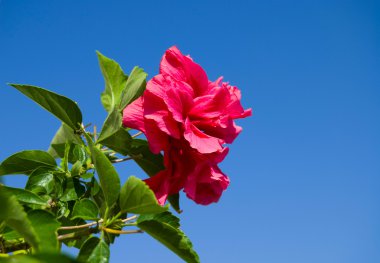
(190, 119)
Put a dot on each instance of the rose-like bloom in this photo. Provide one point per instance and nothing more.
(190, 119)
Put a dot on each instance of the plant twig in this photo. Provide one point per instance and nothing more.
(78, 234)
(122, 160)
(114, 231)
(95, 134)
(81, 226)
(137, 134)
(129, 219)
(138, 156)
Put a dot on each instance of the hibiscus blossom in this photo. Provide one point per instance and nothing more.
(190, 119)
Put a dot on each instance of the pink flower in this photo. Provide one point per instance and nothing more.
(190, 119)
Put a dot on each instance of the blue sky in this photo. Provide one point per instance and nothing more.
(304, 172)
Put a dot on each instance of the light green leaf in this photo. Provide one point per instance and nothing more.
(94, 250)
(108, 177)
(76, 169)
(63, 108)
(164, 228)
(135, 87)
(14, 216)
(85, 209)
(136, 197)
(45, 226)
(26, 196)
(115, 81)
(26, 162)
(40, 181)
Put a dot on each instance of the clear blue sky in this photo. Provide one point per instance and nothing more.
(304, 172)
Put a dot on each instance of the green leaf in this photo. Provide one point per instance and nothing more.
(108, 177)
(165, 217)
(113, 135)
(26, 196)
(111, 125)
(135, 87)
(136, 197)
(79, 240)
(26, 162)
(164, 228)
(85, 209)
(151, 163)
(39, 258)
(14, 216)
(174, 201)
(45, 226)
(94, 250)
(115, 81)
(73, 190)
(119, 141)
(40, 181)
(76, 169)
(63, 108)
(63, 135)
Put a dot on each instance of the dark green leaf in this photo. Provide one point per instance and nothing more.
(63, 135)
(40, 181)
(26, 162)
(134, 88)
(26, 196)
(65, 159)
(39, 258)
(151, 163)
(73, 190)
(119, 141)
(115, 81)
(45, 226)
(108, 177)
(63, 108)
(94, 250)
(85, 209)
(174, 201)
(111, 125)
(165, 217)
(14, 216)
(136, 197)
(164, 228)
(98, 196)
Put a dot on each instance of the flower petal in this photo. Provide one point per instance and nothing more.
(206, 184)
(201, 141)
(159, 184)
(133, 115)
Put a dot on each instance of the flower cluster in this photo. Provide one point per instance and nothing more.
(190, 119)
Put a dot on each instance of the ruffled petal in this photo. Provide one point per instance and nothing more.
(200, 141)
(179, 100)
(183, 68)
(206, 184)
(133, 115)
(155, 109)
(159, 184)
